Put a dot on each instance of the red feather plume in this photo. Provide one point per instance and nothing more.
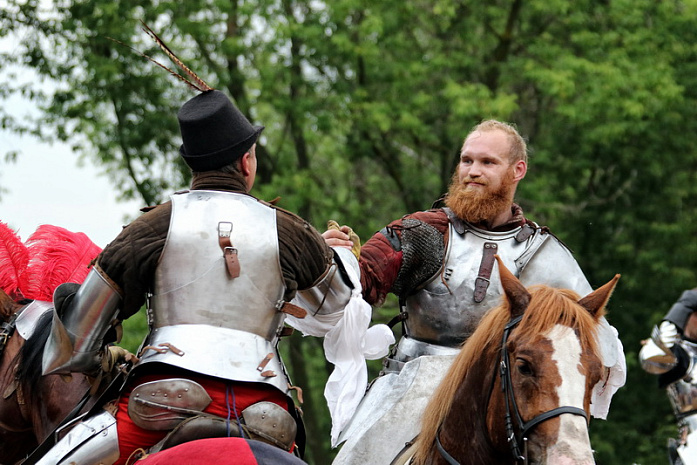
(14, 258)
(57, 256)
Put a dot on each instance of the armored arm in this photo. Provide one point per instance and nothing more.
(656, 357)
(332, 291)
(662, 351)
(79, 325)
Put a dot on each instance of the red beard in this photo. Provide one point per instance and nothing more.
(480, 205)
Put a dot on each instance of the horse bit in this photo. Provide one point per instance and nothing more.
(524, 428)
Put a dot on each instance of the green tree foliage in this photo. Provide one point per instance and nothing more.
(365, 106)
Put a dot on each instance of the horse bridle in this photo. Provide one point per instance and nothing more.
(515, 440)
(523, 427)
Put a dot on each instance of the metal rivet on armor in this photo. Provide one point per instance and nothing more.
(165, 394)
(263, 416)
(180, 396)
(274, 425)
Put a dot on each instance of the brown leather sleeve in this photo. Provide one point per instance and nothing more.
(130, 260)
(304, 254)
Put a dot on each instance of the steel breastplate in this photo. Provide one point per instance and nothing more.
(191, 283)
(444, 311)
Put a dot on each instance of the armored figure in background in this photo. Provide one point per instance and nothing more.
(671, 353)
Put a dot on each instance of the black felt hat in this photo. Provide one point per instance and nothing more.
(214, 132)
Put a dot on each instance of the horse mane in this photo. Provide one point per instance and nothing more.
(548, 306)
(29, 358)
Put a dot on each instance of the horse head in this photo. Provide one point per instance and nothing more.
(520, 390)
(553, 366)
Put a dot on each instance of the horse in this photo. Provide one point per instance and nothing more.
(32, 405)
(520, 389)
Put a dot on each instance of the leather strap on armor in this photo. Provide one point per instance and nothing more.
(232, 264)
(481, 284)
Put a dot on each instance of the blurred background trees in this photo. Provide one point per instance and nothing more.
(366, 105)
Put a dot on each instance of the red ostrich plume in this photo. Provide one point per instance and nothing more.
(14, 258)
(52, 256)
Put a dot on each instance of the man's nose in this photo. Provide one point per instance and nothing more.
(475, 170)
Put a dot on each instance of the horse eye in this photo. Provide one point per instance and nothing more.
(523, 367)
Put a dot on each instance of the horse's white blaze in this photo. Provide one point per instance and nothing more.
(573, 445)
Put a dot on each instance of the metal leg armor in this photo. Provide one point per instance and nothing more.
(93, 441)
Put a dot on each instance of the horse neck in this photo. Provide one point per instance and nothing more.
(466, 432)
(8, 306)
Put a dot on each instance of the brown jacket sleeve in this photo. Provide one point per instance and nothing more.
(130, 260)
(304, 254)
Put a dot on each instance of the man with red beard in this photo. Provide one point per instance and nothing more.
(440, 263)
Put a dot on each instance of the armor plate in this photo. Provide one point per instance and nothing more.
(221, 352)
(191, 283)
(77, 335)
(93, 441)
(26, 321)
(445, 312)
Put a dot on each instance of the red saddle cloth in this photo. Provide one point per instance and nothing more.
(222, 451)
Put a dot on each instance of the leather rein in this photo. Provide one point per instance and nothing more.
(520, 454)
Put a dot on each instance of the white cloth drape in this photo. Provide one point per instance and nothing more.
(349, 341)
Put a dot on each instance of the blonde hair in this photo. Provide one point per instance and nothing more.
(519, 148)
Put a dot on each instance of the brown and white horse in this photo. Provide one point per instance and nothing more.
(520, 389)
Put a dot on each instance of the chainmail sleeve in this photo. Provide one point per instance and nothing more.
(423, 252)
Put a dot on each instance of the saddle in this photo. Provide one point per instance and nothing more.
(259, 421)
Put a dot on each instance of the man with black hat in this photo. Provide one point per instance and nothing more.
(219, 268)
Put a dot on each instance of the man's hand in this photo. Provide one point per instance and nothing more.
(342, 236)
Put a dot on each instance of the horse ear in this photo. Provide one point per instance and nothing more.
(517, 295)
(598, 299)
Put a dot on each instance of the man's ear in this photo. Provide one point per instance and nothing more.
(245, 164)
(519, 170)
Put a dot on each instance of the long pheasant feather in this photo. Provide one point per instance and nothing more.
(170, 71)
(199, 83)
(57, 256)
(14, 258)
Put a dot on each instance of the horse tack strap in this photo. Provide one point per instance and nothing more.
(232, 263)
(444, 453)
(481, 284)
(7, 329)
